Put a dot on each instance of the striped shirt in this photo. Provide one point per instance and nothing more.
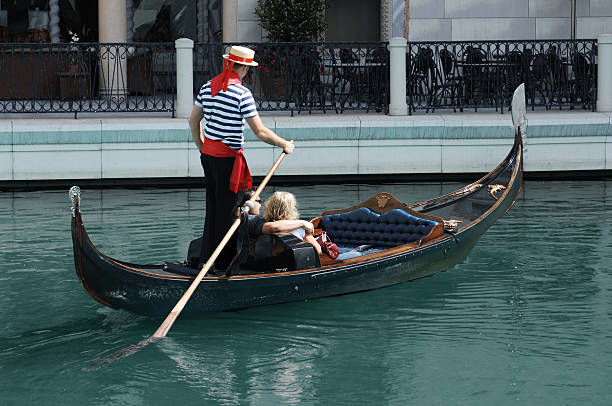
(225, 113)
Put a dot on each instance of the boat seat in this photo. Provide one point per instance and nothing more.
(281, 252)
(392, 228)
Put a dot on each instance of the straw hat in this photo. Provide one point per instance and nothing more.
(241, 55)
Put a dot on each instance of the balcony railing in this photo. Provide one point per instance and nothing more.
(300, 77)
(459, 75)
(308, 76)
(87, 77)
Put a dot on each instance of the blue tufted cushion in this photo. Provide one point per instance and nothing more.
(363, 226)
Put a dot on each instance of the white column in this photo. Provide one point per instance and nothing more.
(397, 76)
(184, 77)
(129, 13)
(230, 20)
(604, 72)
(54, 30)
(112, 23)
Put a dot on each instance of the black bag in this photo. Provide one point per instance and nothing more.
(193, 253)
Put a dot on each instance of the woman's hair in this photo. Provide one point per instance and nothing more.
(281, 206)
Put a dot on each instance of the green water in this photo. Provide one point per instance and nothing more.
(524, 320)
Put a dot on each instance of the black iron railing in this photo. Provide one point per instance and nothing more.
(297, 77)
(308, 76)
(459, 75)
(87, 77)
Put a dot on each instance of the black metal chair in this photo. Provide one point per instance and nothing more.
(559, 92)
(422, 75)
(374, 83)
(307, 90)
(526, 58)
(345, 78)
(447, 85)
(541, 87)
(476, 77)
(512, 75)
(582, 82)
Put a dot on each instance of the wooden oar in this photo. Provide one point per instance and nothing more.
(171, 318)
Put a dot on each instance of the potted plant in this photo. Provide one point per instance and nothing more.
(292, 20)
(286, 21)
(74, 83)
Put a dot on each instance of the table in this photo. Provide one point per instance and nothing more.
(487, 80)
(356, 82)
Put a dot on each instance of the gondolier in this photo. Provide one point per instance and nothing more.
(225, 105)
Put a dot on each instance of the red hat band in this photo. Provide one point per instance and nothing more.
(239, 59)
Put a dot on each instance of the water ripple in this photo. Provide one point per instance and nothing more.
(524, 319)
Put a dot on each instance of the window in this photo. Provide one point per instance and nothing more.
(350, 20)
(24, 21)
(79, 17)
(28, 20)
(164, 20)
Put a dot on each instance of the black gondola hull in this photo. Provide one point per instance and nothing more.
(148, 290)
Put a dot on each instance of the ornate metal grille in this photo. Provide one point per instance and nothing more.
(87, 77)
(141, 77)
(308, 76)
(458, 75)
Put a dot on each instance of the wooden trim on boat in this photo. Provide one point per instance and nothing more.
(383, 203)
(472, 185)
(519, 156)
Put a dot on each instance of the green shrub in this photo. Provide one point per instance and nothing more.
(292, 20)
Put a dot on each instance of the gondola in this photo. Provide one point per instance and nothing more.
(403, 243)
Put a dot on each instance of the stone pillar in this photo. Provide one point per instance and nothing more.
(112, 23)
(184, 77)
(604, 72)
(129, 13)
(386, 19)
(230, 20)
(397, 76)
(573, 20)
(54, 30)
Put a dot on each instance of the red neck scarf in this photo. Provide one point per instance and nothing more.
(240, 178)
(225, 78)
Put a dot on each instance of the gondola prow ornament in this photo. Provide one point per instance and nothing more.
(519, 114)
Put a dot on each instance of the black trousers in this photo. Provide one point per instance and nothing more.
(221, 204)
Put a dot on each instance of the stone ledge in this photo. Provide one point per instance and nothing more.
(368, 144)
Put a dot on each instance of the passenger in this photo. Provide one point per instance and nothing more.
(258, 226)
(225, 105)
(281, 215)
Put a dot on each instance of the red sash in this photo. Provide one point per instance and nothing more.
(222, 80)
(241, 177)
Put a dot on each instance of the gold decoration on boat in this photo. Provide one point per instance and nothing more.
(451, 225)
(493, 189)
(382, 200)
(467, 190)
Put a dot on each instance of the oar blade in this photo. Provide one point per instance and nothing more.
(166, 325)
(519, 111)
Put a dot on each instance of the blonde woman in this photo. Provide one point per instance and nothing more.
(282, 206)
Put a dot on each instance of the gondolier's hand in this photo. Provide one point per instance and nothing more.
(288, 147)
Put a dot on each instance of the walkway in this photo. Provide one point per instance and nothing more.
(102, 147)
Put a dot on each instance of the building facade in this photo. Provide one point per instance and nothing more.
(235, 20)
(466, 20)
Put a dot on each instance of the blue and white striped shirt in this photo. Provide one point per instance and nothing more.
(225, 113)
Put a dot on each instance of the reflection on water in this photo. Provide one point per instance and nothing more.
(526, 318)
